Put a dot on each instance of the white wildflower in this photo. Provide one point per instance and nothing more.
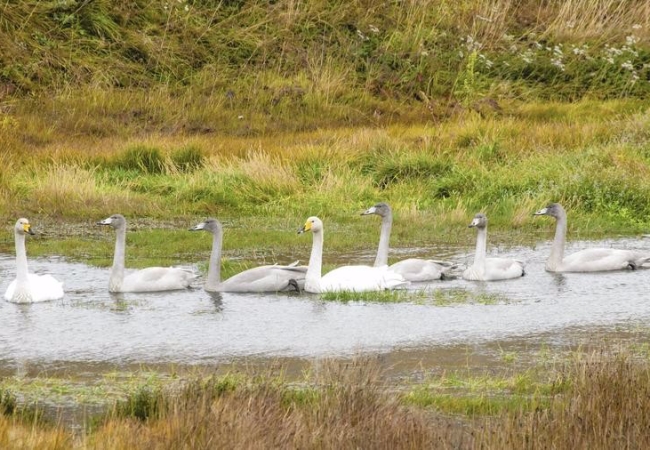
(636, 26)
(557, 62)
(627, 65)
(631, 40)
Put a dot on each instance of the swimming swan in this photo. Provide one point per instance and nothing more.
(490, 269)
(589, 260)
(269, 278)
(412, 269)
(151, 279)
(346, 278)
(30, 287)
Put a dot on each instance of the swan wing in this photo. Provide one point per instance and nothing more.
(503, 268)
(154, 279)
(496, 269)
(273, 278)
(603, 259)
(361, 279)
(414, 269)
(41, 288)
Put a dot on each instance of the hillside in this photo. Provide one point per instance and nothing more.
(339, 61)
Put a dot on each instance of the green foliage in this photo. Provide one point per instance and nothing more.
(7, 402)
(188, 159)
(140, 159)
(147, 402)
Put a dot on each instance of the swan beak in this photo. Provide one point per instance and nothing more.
(306, 227)
(198, 227)
(104, 222)
(473, 224)
(371, 210)
(27, 228)
(541, 212)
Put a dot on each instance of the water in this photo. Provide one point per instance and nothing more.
(90, 327)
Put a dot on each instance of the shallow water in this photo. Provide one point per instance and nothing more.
(90, 327)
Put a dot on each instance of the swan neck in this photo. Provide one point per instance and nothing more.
(21, 258)
(384, 238)
(557, 250)
(481, 249)
(214, 266)
(313, 275)
(117, 271)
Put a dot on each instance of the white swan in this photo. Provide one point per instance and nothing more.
(269, 278)
(489, 269)
(346, 278)
(151, 279)
(412, 269)
(29, 287)
(589, 260)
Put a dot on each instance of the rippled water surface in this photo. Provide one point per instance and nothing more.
(193, 327)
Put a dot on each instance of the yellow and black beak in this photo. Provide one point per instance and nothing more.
(306, 227)
(27, 228)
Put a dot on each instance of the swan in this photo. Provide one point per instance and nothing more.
(412, 269)
(589, 260)
(489, 269)
(346, 278)
(269, 278)
(30, 287)
(151, 279)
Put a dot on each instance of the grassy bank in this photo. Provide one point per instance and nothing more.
(594, 400)
(590, 156)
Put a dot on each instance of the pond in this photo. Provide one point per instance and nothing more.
(91, 328)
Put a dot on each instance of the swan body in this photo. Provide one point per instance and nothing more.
(346, 278)
(151, 279)
(269, 278)
(412, 269)
(490, 269)
(589, 260)
(30, 287)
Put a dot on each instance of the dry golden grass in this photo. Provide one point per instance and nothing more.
(18, 435)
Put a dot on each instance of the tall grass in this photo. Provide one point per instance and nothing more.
(596, 401)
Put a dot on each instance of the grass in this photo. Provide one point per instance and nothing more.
(264, 188)
(589, 400)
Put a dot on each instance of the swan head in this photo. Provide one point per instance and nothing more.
(381, 209)
(479, 221)
(313, 224)
(116, 221)
(23, 227)
(211, 225)
(553, 210)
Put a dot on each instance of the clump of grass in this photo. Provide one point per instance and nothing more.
(345, 407)
(604, 407)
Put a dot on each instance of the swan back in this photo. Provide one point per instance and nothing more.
(29, 287)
